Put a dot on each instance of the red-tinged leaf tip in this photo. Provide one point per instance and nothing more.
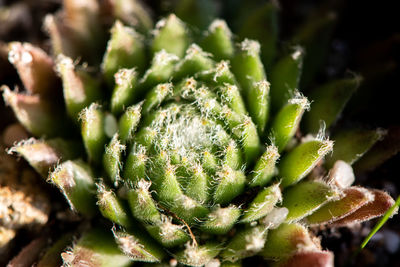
(34, 66)
(40, 155)
(39, 116)
(353, 199)
(392, 211)
(310, 259)
(382, 202)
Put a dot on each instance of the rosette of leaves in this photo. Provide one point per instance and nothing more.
(185, 141)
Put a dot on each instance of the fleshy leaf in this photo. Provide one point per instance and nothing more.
(35, 69)
(329, 101)
(381, 203)
(125, 49)
(311, 195)
(262, 204)
(221, 220)
(285, 78)
(287, 120)
(287, 239)
(112, 207)
(43, 155)
(315, 258)
(299, 162)
(39, 116)
(350, 145)
(138, 246)
(76, 182)
(262, 25)
(171, 36)
(195, 255)
(380, 152)
(353, 199)
(245, 243)
(218, 40)
(96, 247)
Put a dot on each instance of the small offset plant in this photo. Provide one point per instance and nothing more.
(188, 142)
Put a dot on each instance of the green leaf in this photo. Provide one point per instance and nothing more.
(94, 128)
(195, 255)
(286, 122)
(329, 101)
(111, 207)
(76, 182)
(80, 89)
(126, 90)
(171, 36)
(350, 145)
(98, 248)
(262, 25)
(125, 49)
(138, 246)
(218, 40)
(221, 220)
(300, 161)
(265, 167)
(245, 243)
(285, 78)
(262, 204)
(247, 65)
(285, 240)
(306, 197)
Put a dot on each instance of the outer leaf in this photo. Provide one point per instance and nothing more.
(315, 258)
(218, 40)
(285, 240)
(125, 49)
(221, 220)
(195, 255)
(43, 155)
(380, 152)
(96, 247)
(354, 198)
(351, 144)
(35, 68)
(306, 197)
(328, 102)
(285, 78)
(262, 25)
(111, 207)
(39, 116)
(245, 243)
(138, 246)
(314, 36)
(75, 180)
(262, 204)
(286, 122)
(299, 162)
(170, 35)
(382, 202)
(80, 89)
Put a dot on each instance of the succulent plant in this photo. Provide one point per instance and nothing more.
(185, 141)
